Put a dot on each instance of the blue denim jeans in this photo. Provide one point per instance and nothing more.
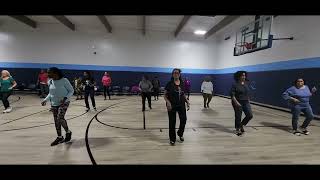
(246, 108)
(296, 110)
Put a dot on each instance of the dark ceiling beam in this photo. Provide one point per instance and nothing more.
(65, 21)
(223, 23)
(26, 20)
(208, 15)
(106, 23)
(182, 23)
(144, 18)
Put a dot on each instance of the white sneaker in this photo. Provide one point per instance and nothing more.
(9, 109)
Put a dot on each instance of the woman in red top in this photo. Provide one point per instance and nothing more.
(43, 83)
(106, 81)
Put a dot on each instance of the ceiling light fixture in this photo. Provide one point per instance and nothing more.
(200, 32)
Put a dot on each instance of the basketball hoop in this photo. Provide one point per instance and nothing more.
(246, 45)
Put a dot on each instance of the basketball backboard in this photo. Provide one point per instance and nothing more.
(254, 36)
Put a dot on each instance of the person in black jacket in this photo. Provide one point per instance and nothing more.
(88, 84)
(240, 101)
(176, 102)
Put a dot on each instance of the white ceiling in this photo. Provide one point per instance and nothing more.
(153, 23)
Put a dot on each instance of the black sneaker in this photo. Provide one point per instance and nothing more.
(297, 133)
(57, 141)
(95, 108)
(68, 136)
(241, 129)
(304, 131)
(172, 143)
(238, 132)
(181, 138)
(87, 109)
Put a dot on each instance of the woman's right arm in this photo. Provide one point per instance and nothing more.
(287, 96)
(233, 95)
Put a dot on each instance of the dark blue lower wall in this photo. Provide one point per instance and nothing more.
(119, 78)
(268, 86)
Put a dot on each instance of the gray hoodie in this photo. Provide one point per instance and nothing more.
(145, 86)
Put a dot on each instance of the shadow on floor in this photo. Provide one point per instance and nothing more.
(209, 111)
(93, 142)
(276, 126)
(215, 126)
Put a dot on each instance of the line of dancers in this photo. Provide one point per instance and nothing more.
(176, 96)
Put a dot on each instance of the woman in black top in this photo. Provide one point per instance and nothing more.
(240, 101)
(175, 101)
(88, 84)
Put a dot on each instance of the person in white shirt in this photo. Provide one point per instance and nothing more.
(207, 91)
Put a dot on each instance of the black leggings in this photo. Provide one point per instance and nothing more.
(90, 92)
(156, 93)
(172, 122)
(4, 97)
(145, 95)
(106, 91)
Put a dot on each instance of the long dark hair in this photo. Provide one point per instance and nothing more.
(238, 74)
(176, 69)
(57, 71)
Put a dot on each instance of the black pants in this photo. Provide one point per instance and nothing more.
(106, 90)
(205, 98)
(156, 93)
(246, 108)
(4, 97)
(43, 89)
(172, 122)
(90, 92)
(145, 95)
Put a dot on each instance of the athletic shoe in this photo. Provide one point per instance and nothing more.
(297, 133)
(181, 138)
(304, 131)
(238, 132)
(241, 129)
(68, 136)
(4, 111)
(95, 108)
(150, 107)
(172, 143)
(87, 109)
(8, 110)
(57, 141)
(204, 106)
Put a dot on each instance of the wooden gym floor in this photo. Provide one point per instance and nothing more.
(117, 136)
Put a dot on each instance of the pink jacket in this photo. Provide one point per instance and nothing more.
(106, 80)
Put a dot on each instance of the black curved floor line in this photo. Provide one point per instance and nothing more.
(87, 132)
